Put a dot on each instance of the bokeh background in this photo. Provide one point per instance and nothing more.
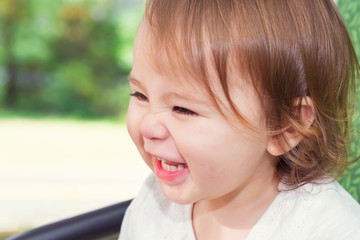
(64, 149)
(66, 57)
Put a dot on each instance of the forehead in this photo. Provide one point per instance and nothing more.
(165, 62)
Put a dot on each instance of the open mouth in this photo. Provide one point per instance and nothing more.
(172, 166)
(169, 171)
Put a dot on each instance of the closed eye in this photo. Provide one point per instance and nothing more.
(139, 96)
(184, 111)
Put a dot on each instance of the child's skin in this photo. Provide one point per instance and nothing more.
(229, 168)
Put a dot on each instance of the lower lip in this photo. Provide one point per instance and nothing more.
(168, 175)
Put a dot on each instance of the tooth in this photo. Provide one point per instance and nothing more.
(172, 168)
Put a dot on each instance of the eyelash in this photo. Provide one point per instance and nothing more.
(139, 96)
(184, 111)
(177, 109)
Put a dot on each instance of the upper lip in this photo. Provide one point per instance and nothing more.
(168, 160)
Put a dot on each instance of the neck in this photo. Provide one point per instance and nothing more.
(237, 212)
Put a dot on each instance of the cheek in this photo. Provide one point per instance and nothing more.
(133, 121)
(217, 150)
(201, 147)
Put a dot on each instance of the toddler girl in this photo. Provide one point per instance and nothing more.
(240, 108)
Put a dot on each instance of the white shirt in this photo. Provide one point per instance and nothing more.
(322, 211)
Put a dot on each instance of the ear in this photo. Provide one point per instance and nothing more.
(289, 137)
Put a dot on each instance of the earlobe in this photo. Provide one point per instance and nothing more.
(290, 137)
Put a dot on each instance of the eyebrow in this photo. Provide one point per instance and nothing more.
(134, 81)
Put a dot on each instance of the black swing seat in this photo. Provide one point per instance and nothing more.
(101, 224)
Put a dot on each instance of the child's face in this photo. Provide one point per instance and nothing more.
(203, 156)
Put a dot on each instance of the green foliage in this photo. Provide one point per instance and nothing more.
(350, 9)
(66, 57)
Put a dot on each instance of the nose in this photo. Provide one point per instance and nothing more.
(152, 128)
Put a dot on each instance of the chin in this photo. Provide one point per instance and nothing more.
(176, 196)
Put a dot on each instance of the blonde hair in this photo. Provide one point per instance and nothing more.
(287, 49)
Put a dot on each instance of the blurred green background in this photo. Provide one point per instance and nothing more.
(66, 57)
(64, 149)
(350, 11)
(69, 59)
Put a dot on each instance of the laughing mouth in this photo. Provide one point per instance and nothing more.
(172, 166)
